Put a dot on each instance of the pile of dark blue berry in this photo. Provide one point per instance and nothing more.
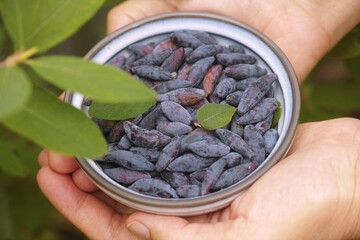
(164, 152)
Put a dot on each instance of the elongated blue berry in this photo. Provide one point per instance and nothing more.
(154, 187)
(198, 70)
(242, 71)
(125, 176)
(129, 160)
(183, 96)
(235, 142)
(145, 138)
(260, 112)
(175, 112)
(152, 72)
(174, 61)
(189, 163)
(212, 174)
(188, 191)
(270, 138)
(209, 149)
(171, 85)
(173, 129)
(234, 175)
(168, 154)
(228, 59)
(256, 142)
(175, 179)
(255, 92)
(154, 58)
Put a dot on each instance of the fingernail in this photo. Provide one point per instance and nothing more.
(139, 230)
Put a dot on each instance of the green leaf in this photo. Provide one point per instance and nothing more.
(15, 90)
(311, 113)
(213, 116)
(10, 162)
(29, 207)
(353, 66)
(101, 82)
(344, 96)
(6, 226)
(277, 115)
(2, 36)
(24, 149)
(349, 46)
(45, 23)
(119, 111)
(58, 126)
(113, 2)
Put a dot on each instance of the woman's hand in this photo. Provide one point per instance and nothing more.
(313, 193)
(304, 29)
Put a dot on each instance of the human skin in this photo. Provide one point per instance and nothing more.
(314, 193)
(304, 29)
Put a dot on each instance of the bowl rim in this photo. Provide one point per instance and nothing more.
(230, 192)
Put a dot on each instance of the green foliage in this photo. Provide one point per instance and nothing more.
(39, 116)
(349, 47)
(37, 25)
(213, 116)
(24, 212)
(28, 210)
(102, 82)
(15, 90)
(26, 153)
(53, 124)
(338, 97)
(45, 23)
(341, 96)
(332, 99)
(10, 161)
(354, 69)
(118, 111)
(6, 226)
(2, 36)
(277, 115)
(113, 2)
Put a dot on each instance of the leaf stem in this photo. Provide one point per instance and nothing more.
(19, 57)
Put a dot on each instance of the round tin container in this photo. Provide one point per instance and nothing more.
(227, 30)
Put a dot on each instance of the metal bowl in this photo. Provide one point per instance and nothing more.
(227, 30)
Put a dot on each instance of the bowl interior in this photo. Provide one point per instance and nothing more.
(227, 32)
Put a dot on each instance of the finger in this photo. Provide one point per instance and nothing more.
(118, 207)
(130, 11)
(93, 217)
(62, 164)
(62, 96)
(156, 227)
(43, 158)
(323, 132)
(83, 182)
(301, 136)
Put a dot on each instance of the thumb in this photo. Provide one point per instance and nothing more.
(133, 10)
(156, 227)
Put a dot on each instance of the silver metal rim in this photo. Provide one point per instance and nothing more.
(224, 197)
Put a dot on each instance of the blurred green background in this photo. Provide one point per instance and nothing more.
(332, 90)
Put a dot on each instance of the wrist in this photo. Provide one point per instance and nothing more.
(337, 17)
(345, 222)
(331, 21)
(331, 209)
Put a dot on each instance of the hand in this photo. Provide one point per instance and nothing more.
(313, 193)
(283, 203)
(79, 200)
(305, 30)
